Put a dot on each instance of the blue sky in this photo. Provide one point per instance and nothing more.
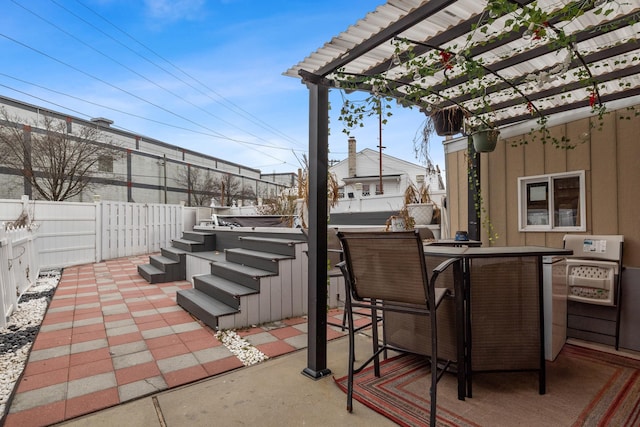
(206, 75)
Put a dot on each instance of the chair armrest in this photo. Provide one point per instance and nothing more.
(342, 265)
(444, 265)
(457, 274)
(337, 251)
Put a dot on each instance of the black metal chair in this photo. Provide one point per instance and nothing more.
(386, 271)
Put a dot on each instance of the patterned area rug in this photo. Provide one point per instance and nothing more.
(584, 388)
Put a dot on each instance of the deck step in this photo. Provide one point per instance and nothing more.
(271, 245)
(151, 274)
(190, 245)
(242, 274)
(258, 259)
(175, 254)
(204, 237)
(221, 289)
(173, 269)
(203, 307)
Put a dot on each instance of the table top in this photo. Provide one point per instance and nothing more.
(453, 242)
(487, 252)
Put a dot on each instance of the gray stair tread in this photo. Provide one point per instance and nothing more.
(175, 250)
(164, 260)
(188, 242)
(271, 240)
(244, 269)
(202, 233)
(225, 285)
(204, 301)
(150, 269)
(259, 254)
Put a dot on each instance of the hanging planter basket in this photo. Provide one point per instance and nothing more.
(484, 141)
(448, 121)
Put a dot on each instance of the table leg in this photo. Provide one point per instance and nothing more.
(460, 324)
(542, 374)
(467, 327)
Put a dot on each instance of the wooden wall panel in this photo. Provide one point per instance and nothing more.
(628, 182)
(494, 220)
(602, 200)
(555, 161)
(463, 200)
(514, 168)
(533, 165)
(456, 172)
(579, 158)
(555, 157)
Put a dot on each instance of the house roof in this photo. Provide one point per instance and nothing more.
(517, 65)
(392, 166)
(369, 152)
(370, 177)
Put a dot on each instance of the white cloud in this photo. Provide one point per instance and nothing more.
(175, 10)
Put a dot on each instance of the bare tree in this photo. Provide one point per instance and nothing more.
(56, 162)
(200, 184)
(230, 189)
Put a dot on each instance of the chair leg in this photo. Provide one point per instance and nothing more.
(376, 343)
(352, 356)
(433, 392)
(434, 367)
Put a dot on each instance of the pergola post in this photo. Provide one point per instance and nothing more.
(317, 216)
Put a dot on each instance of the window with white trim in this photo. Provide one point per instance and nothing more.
(554, 202)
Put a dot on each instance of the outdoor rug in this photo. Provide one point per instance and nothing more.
(584, 388)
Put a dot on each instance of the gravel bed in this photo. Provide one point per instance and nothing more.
(241, 348)
(20, 332)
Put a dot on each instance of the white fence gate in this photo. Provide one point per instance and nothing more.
(136, 228)
(19, 269)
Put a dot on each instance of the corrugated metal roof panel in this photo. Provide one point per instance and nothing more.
(532, 70)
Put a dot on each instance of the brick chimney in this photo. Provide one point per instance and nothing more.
(352, 157)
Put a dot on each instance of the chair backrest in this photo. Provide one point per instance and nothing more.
(425, 233)
(388, 266)
(334, 248)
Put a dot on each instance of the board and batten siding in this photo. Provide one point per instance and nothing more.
(610, 157)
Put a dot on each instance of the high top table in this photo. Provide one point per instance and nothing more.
(499, 315)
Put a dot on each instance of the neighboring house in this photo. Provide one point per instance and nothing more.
(149, 170)
(371, 191)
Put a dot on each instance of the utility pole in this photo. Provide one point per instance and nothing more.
(380, 146)
(164, 164)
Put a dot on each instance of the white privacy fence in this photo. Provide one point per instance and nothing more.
(20, 267)
(136, 228)
(61, 234)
